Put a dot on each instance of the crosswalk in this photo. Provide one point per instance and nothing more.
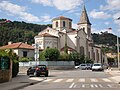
(82, 80)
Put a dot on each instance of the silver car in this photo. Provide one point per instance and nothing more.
(97, 67)
(83, 66)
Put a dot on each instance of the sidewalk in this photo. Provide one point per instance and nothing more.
(19, 82)
(115, 74)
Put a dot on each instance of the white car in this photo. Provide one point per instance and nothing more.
(82, 66)
(97, 67)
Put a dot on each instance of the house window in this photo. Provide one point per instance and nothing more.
(63, 23)
(24, 53)
(56, 24)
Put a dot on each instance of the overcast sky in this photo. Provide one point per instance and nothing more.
(103, 14)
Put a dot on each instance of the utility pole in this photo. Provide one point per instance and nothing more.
(36, 56)
(118, 48)
(118, 51)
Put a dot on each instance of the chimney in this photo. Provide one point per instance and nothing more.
(9, 42)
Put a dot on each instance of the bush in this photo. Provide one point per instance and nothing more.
(42, 55)
(24, 59)
(8, 53)
(64, 57)
(15, 68)
(52, 54)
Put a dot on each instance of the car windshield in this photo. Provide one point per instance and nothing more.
(97, 65)
(83, 65)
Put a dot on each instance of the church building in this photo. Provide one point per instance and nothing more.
(62, 33)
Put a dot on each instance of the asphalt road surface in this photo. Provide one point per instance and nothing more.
(75, 80)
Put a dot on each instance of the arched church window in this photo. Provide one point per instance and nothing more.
(83, 28)
(82, 50)
(57, 24)
(97, 56)
(63, 23)
(69, 24)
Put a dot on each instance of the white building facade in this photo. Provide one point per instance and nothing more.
(79, 40)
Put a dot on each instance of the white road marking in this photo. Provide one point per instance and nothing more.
(48, 80)
(69, 80)
(36, 78)
(100, 85)
(93, 80)
(109, 86)
(83, 86)
(81, 80)
(96, 85)
(72, 85)
(106, 80)
(58, 80)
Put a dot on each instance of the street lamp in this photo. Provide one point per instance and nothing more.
(118, 48)
(36, 53)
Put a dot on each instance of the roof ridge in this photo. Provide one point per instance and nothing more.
(19, 44)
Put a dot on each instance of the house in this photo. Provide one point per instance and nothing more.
(21, 49)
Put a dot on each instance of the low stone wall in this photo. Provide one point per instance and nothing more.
(5, 75)
(52, 65)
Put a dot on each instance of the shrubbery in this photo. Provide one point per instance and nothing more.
(12, 56)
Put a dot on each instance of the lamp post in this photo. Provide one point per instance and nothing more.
(118, 51)
(36, 56)
(118, 48)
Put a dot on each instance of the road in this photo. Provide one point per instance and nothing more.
(75, 80)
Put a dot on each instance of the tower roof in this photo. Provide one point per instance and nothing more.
(61, 18)
(84, 17)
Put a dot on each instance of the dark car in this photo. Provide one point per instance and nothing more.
(38, 70)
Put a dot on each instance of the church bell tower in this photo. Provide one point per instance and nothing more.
(84, 23)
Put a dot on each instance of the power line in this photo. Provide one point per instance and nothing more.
(84, 2)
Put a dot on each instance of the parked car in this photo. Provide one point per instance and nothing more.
(83, 66)
(38, 70)
(97, 67)
(89, 66)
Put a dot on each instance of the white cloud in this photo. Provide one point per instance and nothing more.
(45, 18)
(74, 25)
(111, 5)
(99, 15)
(17, 10)
(60, 4)
(44, 2)
(102, 30)
(107, 23)
(66, 4)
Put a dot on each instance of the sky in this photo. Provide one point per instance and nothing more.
(103, 14)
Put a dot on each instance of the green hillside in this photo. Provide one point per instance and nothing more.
(24, 32)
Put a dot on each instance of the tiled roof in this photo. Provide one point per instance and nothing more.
(69, 49)
(18, 45)
(62, 18)
(45, 35)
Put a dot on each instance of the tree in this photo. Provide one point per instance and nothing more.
(64, 56)
(42, 55)
(51, 54)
